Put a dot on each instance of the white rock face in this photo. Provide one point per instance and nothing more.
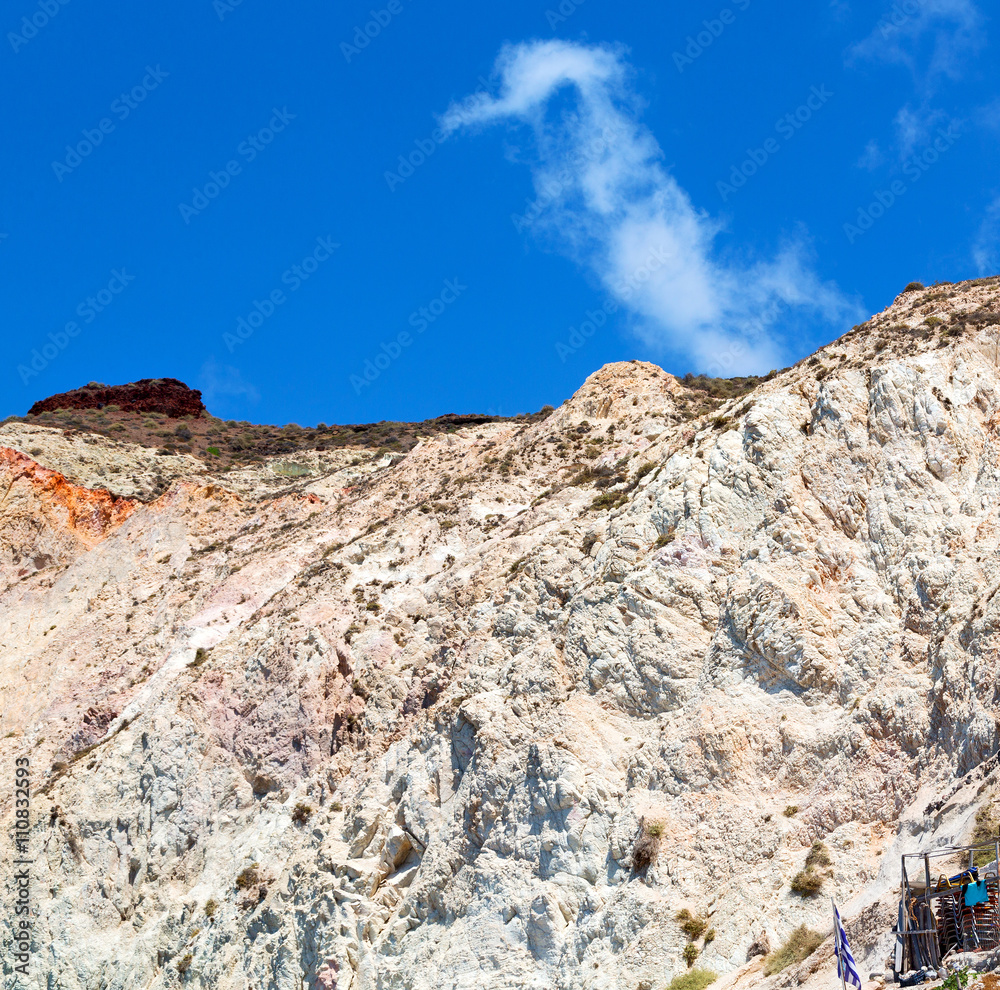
(402, 727)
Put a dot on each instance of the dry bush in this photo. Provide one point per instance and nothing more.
(801, 944)
(647, 846)
(696, 979)
(807, 883)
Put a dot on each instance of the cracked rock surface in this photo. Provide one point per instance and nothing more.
(401, 725)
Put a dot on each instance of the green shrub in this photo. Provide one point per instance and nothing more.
(914, 287)
(791, 811)
(185, 964)
(709, 936)
(801, 944)
(301, 813)
(695, 979)
(693, 925)
(213, 451)
(655, 829)
(609, 500)
(211, 907)
(691, 953)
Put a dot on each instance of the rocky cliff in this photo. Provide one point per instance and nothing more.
(150, 395)
(402, 721)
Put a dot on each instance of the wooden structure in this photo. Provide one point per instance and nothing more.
(948, 904)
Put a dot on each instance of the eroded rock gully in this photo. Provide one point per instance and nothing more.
(397, 725)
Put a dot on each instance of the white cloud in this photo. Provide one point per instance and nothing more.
(225, 382)
(871, 157)
(913, 127)
(605, 198)
(932, 38)
(986, 249)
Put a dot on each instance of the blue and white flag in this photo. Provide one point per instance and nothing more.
(847, 969)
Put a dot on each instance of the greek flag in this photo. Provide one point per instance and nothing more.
(847, 969)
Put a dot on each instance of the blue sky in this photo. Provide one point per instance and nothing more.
(348, 213)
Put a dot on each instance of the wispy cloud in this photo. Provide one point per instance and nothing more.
(871, 157)
(934, 39)
(986, 248)
(223, 381)
(914, 127)
(612, 206)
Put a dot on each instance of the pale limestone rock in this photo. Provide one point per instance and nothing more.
(484, 687)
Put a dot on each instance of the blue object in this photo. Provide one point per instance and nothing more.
(975, 893)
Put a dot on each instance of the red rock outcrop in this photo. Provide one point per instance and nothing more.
(88, 514)
(160, 395)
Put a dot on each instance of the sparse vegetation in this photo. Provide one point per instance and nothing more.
(200, 656)
(211, 907)
(647, 846)
(914, 287)
(693, 925)
(695, 979)
(791, 811)
(301, 813)
(691, 953)
(184, 964)
(230, 443)
(292, 471)
(664, 538)
(248, 877)
(807, 883)
(609, 500)
(986, 829)
(818, 856)
(801, 944)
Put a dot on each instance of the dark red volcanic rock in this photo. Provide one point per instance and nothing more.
(160, 395)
